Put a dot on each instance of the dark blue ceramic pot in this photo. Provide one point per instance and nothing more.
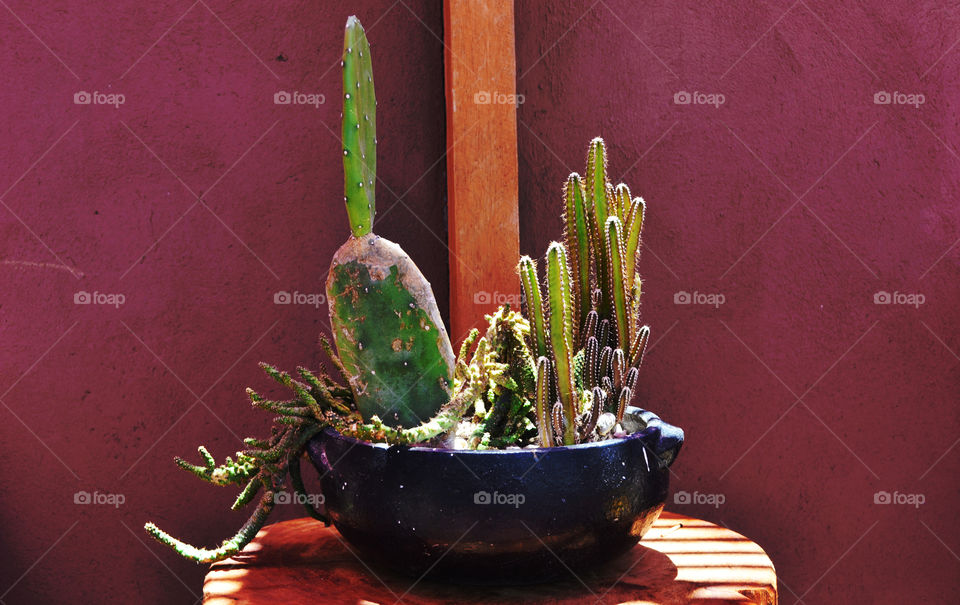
(501, 516)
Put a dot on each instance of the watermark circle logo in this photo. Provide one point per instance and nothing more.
(882, 298)
(682, 298)
(282, 298)
(882, 97)
(282, 97)
(682, 98)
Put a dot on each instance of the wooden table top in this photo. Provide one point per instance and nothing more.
(680, 560)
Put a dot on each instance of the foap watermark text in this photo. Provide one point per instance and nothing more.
(882, 97)
(496, 498)
(486, 97)
(683, 497)
(283, 297)
(714, 299)
(282, 97)
(497, 298)
(98, 298)
(914, 500)
(696, 97)
(285, 497)
(899, 298)
(99, 98)
(84, 497)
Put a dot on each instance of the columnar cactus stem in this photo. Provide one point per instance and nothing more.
(561, 333)
(604, 225)
(619, 369)
(359, 130)
(543, 409)
(633, 225)
(591, 363)
(578, 246)
(622, 201)
(590, 327)
(618, 284)
(623, 402)
(596, 190)
(595, 411)
(534, 302)
(639, 346)
(558, 422)
(631, 380)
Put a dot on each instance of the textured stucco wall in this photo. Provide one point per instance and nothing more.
(877, 384)
(98, 398)
(112, 392)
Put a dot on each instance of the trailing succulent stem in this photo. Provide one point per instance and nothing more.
(265, 463)
(320, 401)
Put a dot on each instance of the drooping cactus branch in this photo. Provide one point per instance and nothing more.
(319, 402)
(265, 463)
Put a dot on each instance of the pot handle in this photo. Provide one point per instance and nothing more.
(664, 440)
(315, 508)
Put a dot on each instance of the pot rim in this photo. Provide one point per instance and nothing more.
(651, 419)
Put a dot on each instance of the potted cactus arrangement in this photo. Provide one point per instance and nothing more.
(518, 458)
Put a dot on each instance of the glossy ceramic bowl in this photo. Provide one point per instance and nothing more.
(496, 516)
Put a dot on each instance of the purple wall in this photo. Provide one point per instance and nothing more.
(107, 396)
(877, 384)
(99, 399)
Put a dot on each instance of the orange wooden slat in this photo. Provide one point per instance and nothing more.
(483, 221)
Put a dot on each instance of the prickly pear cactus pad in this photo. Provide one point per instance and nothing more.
(382, 311)
(388, 332)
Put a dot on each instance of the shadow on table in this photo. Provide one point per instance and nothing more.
(302, 562)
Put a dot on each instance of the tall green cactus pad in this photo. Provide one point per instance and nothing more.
(388, 332)
(359, 130)
(383, 314)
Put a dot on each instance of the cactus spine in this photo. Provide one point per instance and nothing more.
(383, 314)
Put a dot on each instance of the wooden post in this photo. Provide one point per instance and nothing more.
(484, 228)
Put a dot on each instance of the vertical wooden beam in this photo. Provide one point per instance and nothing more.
(483, 229)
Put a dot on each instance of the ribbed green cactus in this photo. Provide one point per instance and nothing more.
(586, 327)
(561, 322)
(383, 314)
